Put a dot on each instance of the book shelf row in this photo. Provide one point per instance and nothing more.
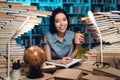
(75, 9)
(103, 1)
(100, 8)
(77, 1)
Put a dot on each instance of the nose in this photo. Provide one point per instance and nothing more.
(61, 23)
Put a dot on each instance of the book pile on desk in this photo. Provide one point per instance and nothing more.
(109, 26)
(91, 72)
(15, 20)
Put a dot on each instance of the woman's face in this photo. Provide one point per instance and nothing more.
(61, 22)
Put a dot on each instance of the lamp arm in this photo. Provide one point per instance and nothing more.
(90, 15)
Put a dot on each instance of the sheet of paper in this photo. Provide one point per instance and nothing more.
(74, 61)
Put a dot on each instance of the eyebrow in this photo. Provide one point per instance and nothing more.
(63, 18)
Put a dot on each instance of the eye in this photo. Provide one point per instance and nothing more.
(56, 21)
(64, 19)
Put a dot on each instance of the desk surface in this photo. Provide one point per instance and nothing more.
(85, 68)
(48, 73)
(45, 77)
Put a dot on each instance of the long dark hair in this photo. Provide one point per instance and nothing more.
(52, 19)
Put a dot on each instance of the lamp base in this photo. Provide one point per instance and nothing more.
(35, 72)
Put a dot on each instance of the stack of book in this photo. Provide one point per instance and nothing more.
(108, 24)
(15, 20)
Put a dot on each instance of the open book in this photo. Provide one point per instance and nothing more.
(74, 61)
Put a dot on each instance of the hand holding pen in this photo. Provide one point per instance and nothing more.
(66, 60)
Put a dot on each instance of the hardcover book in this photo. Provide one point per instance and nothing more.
(74, 61)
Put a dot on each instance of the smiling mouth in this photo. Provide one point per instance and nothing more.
(62, 29)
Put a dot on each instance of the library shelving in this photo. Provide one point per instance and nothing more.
(118, 4)
(75, 9)
(103, 5)
(33, 37)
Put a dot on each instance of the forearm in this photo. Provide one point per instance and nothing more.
(77, 47)
(54, 60)
(64, 60)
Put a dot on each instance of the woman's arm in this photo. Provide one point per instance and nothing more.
(64, 60)
(77, 46)
(48, 52)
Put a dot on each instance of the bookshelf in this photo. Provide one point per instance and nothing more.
(75, 9)
(33, 37)
(118, 4)
(103, 5)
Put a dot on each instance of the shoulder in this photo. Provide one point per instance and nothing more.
(69, 32)
(47, 34)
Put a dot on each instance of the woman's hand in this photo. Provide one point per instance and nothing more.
(79, 38)
(66, 60)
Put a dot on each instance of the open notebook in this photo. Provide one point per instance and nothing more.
(74, 61)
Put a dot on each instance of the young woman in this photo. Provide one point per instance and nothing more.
(59, 43)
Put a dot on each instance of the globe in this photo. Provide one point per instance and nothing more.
(34, 56)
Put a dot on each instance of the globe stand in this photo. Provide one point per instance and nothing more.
(35, 72)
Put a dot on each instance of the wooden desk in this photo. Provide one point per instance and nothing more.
(85, 71)
(45, 77)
